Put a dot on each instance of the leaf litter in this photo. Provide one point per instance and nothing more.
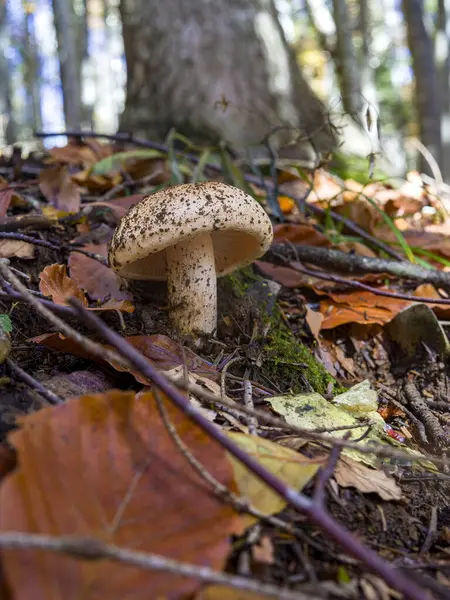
(107, 466)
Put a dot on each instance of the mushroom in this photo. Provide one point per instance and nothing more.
(188, 235)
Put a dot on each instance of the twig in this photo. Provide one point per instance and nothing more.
(94, 549)
(431, 533)
(37, 242)
(33, 383)
(24, 222)
(252, 421)
(363, 286)
(353, 263)
(326, 473)
(302, 503)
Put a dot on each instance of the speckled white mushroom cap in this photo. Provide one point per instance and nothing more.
(240, 228)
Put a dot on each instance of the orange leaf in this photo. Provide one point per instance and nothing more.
(362, 307)
(286, 204)
(105, 466)
(57, 186)
(299, 234)
(55, 282)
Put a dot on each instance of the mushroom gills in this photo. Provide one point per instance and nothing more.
(192, 285)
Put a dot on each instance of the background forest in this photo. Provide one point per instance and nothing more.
(64, 64)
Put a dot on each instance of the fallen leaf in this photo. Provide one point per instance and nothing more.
(99, 281)
(55, 282)
(222, 592)
(286, 204)
(290, 466)
(285, 276)
(120, 305)
(314, 319)
(118, 206)
(16, 249)
(161, 351)
(350, 473)
(59, 189)
(264, 552)
(76, 153)
(105, 466)
(359, 306)
(299, 234)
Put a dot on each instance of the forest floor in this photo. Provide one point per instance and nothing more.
(294, 335)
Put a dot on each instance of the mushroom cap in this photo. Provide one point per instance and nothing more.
(240, 229)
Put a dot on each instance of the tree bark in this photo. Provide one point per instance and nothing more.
(33, 114)
(8, 125)
(217, 70)
(442, 59)
(69, 64)
(426, 89)
(347, 64)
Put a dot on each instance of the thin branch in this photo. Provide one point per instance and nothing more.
(33, 383)
(368, 288)
(285, 253)
(66, 248)
(93, 549)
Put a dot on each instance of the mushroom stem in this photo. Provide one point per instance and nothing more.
(192, 286)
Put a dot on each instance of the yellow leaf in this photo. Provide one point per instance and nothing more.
(290, 466)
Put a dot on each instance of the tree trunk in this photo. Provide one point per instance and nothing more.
(8, 127)
(442, 59)
(217, 70)
(347, 65)
(33, 115)
(69, 64)
(426, 90)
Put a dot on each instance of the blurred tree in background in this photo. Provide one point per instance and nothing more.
(296, 76)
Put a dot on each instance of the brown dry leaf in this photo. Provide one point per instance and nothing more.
(222, 592)
(324, 187)
(314, 320)
(55, 282)
(97, 183)
(359, 306)
(264, 552)
(118, 206)
(299, 234)
(16, 249)
(285, 276)
(85, 154)
(99, 281)
(363, 213)
(427, 290)
(120, 305)
(355, 248)
(291, 467)
(350, 473)
(105, 466)
(161, 351)
(8, 196)
(59, 189)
